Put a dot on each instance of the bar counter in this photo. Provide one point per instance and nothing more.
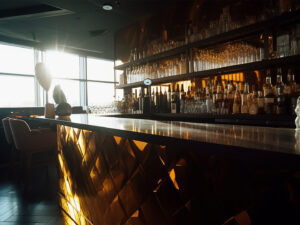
(280, 140)
(137, 171)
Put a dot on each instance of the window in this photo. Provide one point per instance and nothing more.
(16, 91)
(62, 65)
(16, 60)
(101, 70)
(100, 94)
(83, 79)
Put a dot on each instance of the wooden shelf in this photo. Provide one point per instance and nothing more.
(236, 34)
(220, 71)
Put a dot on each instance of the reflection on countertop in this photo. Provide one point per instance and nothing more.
(284, 140)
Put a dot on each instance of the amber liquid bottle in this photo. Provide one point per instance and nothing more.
(290, 93)
(230, 96)
(269, 97)
(260, 102)
(182, 99)
(244, 99)
(236, 108)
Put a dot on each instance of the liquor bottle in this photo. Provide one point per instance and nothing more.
(182, 99)
(177, 99)
(290, 93)
(164, 102)
(157, 100)
(260, 102)
(219, 97)
(191, 64)
(182, 65)
(161, 102)
(135, 102)
(189, 94)
(225, 103)
(236, 108)
(230, 96)
(152, 100)
(135, 56)
(147, 101)
(202, 102)
(169, 99)
(208, 99)
(244, 99)
(269, 97)
(173, 101)
(214, 105)
(253, 106)
(280, 98)
(175, 105)
(141, 101)
(182, 93)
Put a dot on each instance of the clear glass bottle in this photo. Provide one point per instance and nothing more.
(244, 99)
(225, 103)
(208, 99)
(182, 99)
(253, 108)
(182, 65)
(260, 102)
(219, 97)
(236, 108)
(230, 96)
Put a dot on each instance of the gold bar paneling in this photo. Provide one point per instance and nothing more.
(112, 180)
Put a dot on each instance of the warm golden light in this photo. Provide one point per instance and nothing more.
(117, 139)
(141, 145)
(173, 178)
(162, 161)
(81, 143)
(136, 214)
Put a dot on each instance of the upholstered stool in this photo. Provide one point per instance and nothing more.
(37, 146)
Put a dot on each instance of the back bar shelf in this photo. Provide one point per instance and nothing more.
(284, 61)
(236, 34)
(208, 58)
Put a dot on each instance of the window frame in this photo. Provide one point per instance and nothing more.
(40, 94)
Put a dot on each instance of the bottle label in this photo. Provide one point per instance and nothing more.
(219, 96)
(287, 90)
(230, 96)
(269, 100)
(244, 109)
(267, 91)
(260, 102)
(253, 110)
(236, 108)
(173, 107)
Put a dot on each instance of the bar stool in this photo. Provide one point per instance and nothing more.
(9, 140)
(36, 146)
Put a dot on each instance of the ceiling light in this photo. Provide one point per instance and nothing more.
(107, 7)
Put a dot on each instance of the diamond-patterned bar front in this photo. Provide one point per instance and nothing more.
(113, 180)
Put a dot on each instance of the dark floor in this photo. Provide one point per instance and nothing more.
(38, 206)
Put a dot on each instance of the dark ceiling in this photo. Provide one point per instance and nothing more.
(82, 26)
